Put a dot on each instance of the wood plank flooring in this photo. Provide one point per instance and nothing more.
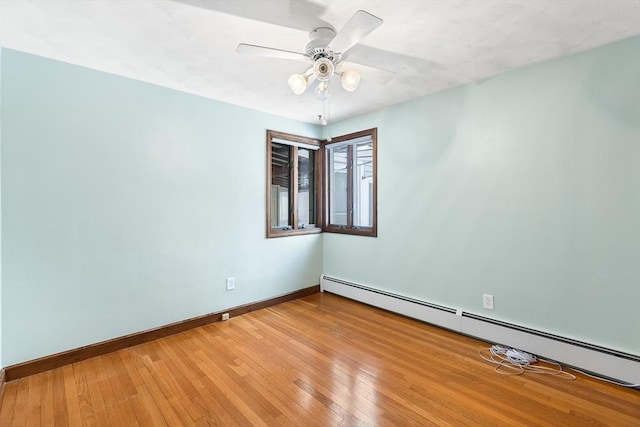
(318, 361)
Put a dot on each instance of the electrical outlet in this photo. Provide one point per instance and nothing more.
(231, 283)
(487, 301)
(225, 316)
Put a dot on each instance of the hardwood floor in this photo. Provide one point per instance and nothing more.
(318, 361)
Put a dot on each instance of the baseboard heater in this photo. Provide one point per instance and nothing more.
(581, 355)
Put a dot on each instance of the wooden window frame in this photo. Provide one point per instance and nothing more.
(293, 199)
(349, 227)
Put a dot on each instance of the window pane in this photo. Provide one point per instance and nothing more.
(363, 185)
(338, 178)
(280, 185)
(350, 180)
(306, 188)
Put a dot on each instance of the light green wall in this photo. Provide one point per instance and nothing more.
(1, 364)
(125, 206)
(525, 186)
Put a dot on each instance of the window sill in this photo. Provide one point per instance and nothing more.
(364, 231)
(285, 233)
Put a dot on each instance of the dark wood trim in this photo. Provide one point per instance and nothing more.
(374, 228)
(293, 185)
(46, 363)
(2, 383)
(259, 305)
(287, 233)
(349, 228)
(319, 177)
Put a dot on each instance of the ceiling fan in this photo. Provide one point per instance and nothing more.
(325, 52)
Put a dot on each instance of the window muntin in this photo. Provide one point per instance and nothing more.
(351, 201)
(293, 193)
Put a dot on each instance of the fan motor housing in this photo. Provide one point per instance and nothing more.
(317, 47)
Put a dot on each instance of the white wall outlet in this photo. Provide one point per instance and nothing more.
(487, 301)
(225, 316)
(231, 283)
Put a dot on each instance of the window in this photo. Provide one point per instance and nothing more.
(351, 199)
(293, 178)
(315, 186)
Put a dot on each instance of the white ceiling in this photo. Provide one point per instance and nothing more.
(189, 45)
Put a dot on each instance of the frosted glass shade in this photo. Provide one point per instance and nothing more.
(350, 80)
(298, 83)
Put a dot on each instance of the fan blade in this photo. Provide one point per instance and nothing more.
(373, 74)
(360, 24)
(251, 49)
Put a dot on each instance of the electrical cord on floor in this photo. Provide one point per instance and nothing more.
(511, 361)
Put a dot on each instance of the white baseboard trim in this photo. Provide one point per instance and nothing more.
(609, 363)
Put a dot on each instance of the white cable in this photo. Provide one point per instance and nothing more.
(519, 362)
(511, 361)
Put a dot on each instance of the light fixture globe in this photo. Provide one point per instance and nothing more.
(323, 69)
(350, 80)
(298, 83)
(322, 91)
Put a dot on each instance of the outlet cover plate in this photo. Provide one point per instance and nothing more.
(487, 301)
